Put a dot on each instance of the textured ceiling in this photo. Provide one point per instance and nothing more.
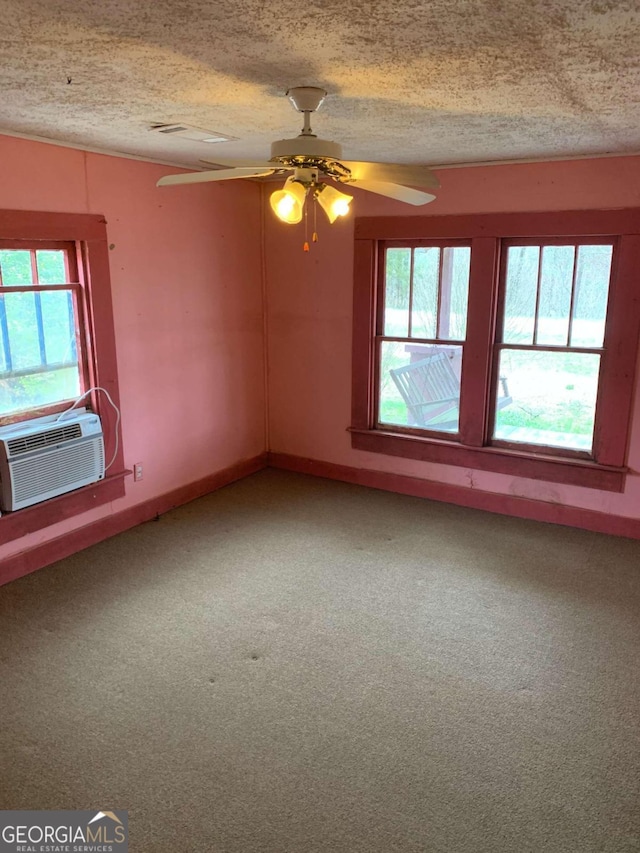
(445, 81)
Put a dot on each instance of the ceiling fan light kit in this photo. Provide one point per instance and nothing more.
(315, 161)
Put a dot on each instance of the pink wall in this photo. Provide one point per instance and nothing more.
(186, 272)
(309, 316)
(187, 292)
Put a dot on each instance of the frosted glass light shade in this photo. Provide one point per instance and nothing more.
(288, 203)
(333, 202)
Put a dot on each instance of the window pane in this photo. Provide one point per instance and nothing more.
(426, 264)
(58, 327)
(420, 386)
(50, 266)
(37, 390)
(15, 265)
(555, 295)
(22, 328)
(592, 291)
(396, 292)
(38, 365)
(547, 398)
(455, 293)
(520, 297)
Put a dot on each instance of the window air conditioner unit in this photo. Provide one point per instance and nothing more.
(43, 459)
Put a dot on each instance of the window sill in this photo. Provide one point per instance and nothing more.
(15, 525)
(554, 469)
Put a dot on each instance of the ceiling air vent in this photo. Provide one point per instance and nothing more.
(195, 134)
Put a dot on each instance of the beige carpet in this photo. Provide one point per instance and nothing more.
(294, 665)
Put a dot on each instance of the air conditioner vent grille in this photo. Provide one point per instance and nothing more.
(41, 440)
(64, 468)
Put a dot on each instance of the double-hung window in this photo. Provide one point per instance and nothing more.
(43, 359)
(550, 342)
(423, 327)
(504, 343)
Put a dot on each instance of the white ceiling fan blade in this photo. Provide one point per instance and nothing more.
(214, 175)
(397, 173)
(244, 164)
(406, 194)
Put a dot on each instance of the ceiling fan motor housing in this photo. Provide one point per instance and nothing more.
(306, 146)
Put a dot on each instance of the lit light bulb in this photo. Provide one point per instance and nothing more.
(340, 206)
(333, 202)
(284, 206)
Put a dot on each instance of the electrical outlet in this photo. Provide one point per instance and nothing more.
(137, 471)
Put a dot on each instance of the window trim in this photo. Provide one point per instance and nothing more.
(486, 231)
(89, 234)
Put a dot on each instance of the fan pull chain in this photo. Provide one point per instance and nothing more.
(315, 220)
(305, 247)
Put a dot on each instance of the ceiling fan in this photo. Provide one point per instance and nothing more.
(311, 161)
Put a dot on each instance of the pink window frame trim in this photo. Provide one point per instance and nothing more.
(88, 232)
(486, 231)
